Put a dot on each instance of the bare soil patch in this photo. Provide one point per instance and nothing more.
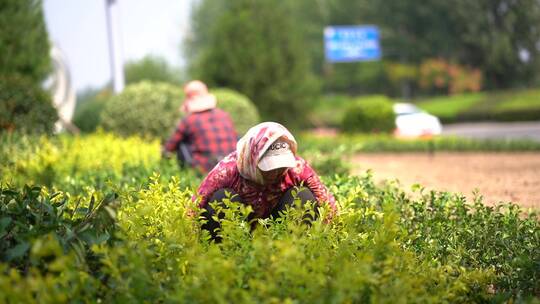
(498, 177)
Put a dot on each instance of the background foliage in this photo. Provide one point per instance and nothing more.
(151, 68)
(24, 42)
(91, 101)
(369, 115)
(25, 107)
(144, 108)
(354, 143)
(242, 110)
(90, 104)
(255, 48)
(490, 40)
(509, 105)
(24, 65)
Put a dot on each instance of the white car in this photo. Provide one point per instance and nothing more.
(414, 122)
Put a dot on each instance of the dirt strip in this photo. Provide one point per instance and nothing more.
(497, 176)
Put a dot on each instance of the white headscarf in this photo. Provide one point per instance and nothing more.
(251, 147)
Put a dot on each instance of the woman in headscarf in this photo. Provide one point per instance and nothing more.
(263, 172)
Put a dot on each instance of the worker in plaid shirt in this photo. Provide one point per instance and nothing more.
(206, 134)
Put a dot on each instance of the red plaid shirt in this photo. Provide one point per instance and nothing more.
(210, 135)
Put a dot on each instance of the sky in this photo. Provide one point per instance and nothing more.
(147, 27)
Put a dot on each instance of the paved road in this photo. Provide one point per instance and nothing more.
(499, 130)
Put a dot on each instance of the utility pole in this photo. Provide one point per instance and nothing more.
(115, 50)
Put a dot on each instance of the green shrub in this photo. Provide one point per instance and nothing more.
(25, 107)
(329, 110)
(382, 246)
(76, 163)
(88, 111)
(329, 163)
(138, 238)
(144, 108)
(243, 112)
(447, 228)
(369, 114)
(444, 229)
(31, 213)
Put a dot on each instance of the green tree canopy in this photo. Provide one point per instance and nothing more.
(24, 44)
(256, 48)
(150, 68)
(499, 37)
(502, 37)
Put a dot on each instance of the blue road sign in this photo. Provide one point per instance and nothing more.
(351, 43)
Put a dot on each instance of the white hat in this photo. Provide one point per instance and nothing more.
(278, 155)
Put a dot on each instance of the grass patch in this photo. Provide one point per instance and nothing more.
(388, 143)
(513, 105)
(520, 100)
(446, 107)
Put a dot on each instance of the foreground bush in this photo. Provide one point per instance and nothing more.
(24, 107)
(243, 112)
(382, 247)
(136, 238)
(32, 213)
(369, 114)
(144, 108)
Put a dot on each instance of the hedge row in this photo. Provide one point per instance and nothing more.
(523, 105)
(135, 239)
(151, 109)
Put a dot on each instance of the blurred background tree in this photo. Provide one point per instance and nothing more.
(151, 68)
(24, 42)
(24, 64)
(24, 106)
(90, 104)
(255, 47)
(499, 38)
